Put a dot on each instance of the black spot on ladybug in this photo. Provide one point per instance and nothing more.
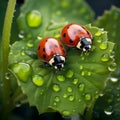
(68, 27)
(44, 56)
(44, 49)
(64, 35)
(46, 40)
(70, 41)
(38, 47)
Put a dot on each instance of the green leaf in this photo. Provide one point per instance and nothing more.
(110, 101)
(71, 90)
(36, 15)
(110, 21)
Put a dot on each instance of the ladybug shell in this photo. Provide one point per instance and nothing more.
(72, 33)
(48, 47)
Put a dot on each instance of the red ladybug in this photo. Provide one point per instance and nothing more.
(51, 51)
(75, 35)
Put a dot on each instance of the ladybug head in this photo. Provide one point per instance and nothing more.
(84, 44)
(57, 62)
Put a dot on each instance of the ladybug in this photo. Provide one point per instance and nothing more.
(76, 35)
(51, 51)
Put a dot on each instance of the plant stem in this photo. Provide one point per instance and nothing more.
(4, 55)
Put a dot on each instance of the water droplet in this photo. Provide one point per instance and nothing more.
(103, 45)
(69, 74)
(82, 73)
(81, 87)
(81, 67)
(113, 79)
(37, 80)
(71, 98)
(22, 52)
(30, 44)
(7, 76)
(56, 88)
(60, 78)
(105, 57)
(64, 95)
(89, 73)
(23, 71)
(54, 103)
(34, 18)
(82, 58)
(66, 113)
(75, 81)
(79, 100)
(109, 110)
(57, 99)
(69, 89)
(99, 40)
(21, 34)
(57, 35)
(87, 97)
(98, 33)
(112, 67)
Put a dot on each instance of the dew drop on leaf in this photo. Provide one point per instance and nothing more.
(30, 44)
(80, 67)
(69, 89)
(57, 99)
(21, 34)
(65, 95)
(113, 79)
(105, 57)
(81, 87)
(109, 110)
(82, 73)
(66, 113)
(69, 74)
(34, 18)
(75, 81)
(112, 67)
(71, 98)
(56, 88)
(60, 78)
(98, 34)
(22, 52)
(87, 97)
(38, 80)
(89, 73)
(103, 45)
(22, 70)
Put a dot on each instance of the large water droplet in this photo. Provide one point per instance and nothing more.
(69, 74)
(105, 57)
(21, 34)
(60, 78)
(38, 80)
(81, 67)
(89, 73)
(98, 33)
(81, 87)
(82, 73)
(103, 45)
(22, 52)
(30, 44)
(71, 98)
(87, 97)
(112, 67)
(75, 81)
(34, 18)
(65, 95)
(109, 110)
(69, 89)
(22, 70)
(113, 79)
(56, 87)
(57, 99)
(66, 113)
